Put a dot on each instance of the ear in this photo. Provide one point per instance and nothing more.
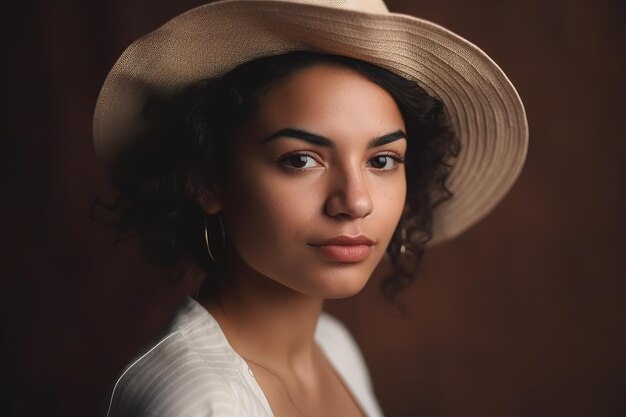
(205, 192)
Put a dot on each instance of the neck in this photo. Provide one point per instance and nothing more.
(264, 321)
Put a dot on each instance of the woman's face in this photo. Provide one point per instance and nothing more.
(317, 163)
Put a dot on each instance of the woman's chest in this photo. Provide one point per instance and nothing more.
(328, 397)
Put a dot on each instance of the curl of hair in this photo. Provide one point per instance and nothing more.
(189, 132)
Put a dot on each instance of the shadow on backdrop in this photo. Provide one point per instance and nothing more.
(521, 316)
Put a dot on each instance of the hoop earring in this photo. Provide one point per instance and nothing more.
(206, 237)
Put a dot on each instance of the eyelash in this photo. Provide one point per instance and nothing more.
(299, 153)
(397, 158)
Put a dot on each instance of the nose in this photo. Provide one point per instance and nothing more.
(349, 196)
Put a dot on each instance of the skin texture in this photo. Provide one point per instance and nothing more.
(277, 204)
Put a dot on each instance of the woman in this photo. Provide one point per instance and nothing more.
(285, 149)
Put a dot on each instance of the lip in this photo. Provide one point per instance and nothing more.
(345, 249)
(346, 240)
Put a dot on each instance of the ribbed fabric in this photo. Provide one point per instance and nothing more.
(192, 371)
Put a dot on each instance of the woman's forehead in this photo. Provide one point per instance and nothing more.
(328, 100)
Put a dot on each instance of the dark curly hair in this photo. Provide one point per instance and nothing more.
(189, 132)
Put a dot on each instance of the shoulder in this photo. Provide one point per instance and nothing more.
(174, 377)
(344, 355)
(342, 350)
(333, 333)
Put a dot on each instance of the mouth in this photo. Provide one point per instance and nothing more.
(345, 249)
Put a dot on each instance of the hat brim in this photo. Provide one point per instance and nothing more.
(484, 108)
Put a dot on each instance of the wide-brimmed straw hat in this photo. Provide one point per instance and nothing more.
(485, 111)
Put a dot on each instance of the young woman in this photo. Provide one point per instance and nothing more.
(284, 149)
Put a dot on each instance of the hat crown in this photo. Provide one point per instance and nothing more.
(368, 6)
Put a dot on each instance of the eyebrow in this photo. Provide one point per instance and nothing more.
(328, 143)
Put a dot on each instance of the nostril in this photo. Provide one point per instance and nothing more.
(346, 207)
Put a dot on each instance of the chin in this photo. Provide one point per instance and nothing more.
(342, 285)
(340, 295)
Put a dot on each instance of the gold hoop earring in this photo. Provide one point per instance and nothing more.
(206, 237)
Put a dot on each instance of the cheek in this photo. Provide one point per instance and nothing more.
(389, 206)
(266, 214)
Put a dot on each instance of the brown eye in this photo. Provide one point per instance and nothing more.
(299, 161)
(385, 162)
(379, 162)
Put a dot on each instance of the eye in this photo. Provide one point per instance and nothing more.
(299, 161)
(386, 162)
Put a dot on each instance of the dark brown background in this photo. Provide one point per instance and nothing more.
(524, 315)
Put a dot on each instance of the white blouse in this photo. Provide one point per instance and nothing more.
(192, 371)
